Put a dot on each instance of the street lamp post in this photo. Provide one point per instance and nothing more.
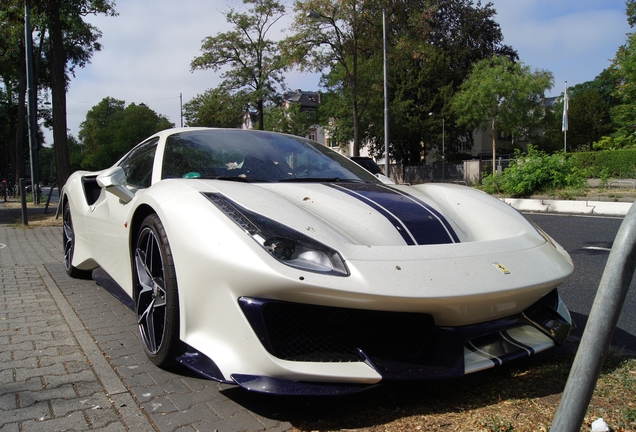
(386, 100)
(443, 146)
(31, 106)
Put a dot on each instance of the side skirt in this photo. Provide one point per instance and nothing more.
(104, 280)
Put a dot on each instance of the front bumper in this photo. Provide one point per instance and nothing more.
(397, 346)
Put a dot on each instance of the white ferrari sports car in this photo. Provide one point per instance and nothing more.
(274, 263)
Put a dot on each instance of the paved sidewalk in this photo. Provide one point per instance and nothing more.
(70, 357)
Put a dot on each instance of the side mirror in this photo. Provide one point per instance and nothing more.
(113, 180)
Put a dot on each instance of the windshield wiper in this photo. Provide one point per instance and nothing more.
(230, 178)
(320, 180)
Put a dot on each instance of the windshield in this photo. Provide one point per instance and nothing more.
(255, 156)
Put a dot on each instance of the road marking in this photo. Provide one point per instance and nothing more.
(598, 248)
(2, 245)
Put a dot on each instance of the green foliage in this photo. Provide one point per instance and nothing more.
(290, 120)
(618, 164)
(342, 40)
(533, 172)
(255, 63)
(431, 49)
(216, 108)
(111, 129)
(504, 95)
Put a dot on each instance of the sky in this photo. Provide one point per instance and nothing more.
(148, 48)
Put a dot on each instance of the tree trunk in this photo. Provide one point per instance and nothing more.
(261, 115)
(356, 129)
(58, 94)
(494, 146)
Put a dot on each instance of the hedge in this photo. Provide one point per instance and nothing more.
(619, 164)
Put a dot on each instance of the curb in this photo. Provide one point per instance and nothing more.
(598, 208)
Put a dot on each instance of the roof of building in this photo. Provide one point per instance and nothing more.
(308, 100)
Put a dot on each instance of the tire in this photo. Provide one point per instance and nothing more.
(156, 294)
(68, 239)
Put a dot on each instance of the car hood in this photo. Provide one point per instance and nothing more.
(375, 215)
(356, 213)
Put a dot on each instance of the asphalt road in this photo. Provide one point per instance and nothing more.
(588, 240)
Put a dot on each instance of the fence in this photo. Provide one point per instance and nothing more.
(469, 172)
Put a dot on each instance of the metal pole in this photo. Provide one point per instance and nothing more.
(181, 107)
(386, 100)
(23, 204)
(597, 336)
(566, 107)
(443, 152)
(31, 105)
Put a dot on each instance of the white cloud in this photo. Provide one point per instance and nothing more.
(574, 39)
(148, 48)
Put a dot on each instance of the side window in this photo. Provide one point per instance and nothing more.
(138, 164)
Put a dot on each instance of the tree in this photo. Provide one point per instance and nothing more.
(623, 71)
(290, 119)
(504, 95)
(255, 63)
(588, 116)
(337, 36)
(71, 43)
(13, 73)
(216, 108)
(111, 129)
(431, 48)
(436, 43)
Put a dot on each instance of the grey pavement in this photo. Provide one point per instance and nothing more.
(71, 358)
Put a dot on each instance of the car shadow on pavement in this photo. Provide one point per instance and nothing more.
(541, 376)
(392, 401)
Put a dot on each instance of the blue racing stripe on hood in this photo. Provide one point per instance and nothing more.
(416, 221)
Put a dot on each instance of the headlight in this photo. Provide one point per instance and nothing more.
(287, 245)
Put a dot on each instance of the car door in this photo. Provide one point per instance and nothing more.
(108, 219)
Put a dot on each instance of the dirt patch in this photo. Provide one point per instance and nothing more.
(523, 396)
(35, 214)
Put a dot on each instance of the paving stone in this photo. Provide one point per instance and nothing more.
(196, 413)
(74, 421)
(63, 407)
(47, 360)
(22, 373)
(39, 345)
(101, 418)
(141, 380)
(10, 427)
(6, 377)
(30, 362)
(159, 405)
(57, 380)
(8, 402)
(76, 366)
(32, 384)
(28, 398)
(185, 400)
(114, 427)
(39, 410)
(87, 388)
(132, 370)
(244, 421)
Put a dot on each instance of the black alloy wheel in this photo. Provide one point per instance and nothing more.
(156, 295)
(68, 238)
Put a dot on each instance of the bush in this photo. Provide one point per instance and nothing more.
(609, 164)
(533, 172)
